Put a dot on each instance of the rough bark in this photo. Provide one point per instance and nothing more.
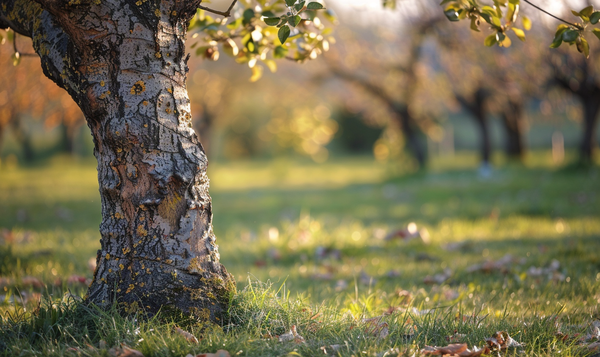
(124, 64)
(477, 107)
(512, 119)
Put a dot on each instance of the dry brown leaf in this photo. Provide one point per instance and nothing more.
(188, 336)
(451, 350)
(292, 336)
(501, 341)
(457, 337)
(475, 352)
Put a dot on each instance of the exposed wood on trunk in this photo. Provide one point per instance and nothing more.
(124, 63)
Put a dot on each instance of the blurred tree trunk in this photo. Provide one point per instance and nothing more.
(204, 127)
(125, 66)
(69, 136)
(512, 119)
(411, 135)
(591, 107)
(23, 138)
(477, 107)
(581, 80)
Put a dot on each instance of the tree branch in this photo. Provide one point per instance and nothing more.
(556, 17)
(222, 13)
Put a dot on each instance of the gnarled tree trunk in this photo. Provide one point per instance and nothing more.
(477, 107)
(124, 63)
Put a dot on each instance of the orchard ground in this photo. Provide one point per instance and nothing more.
(438, 257)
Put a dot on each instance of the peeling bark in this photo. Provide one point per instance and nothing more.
(124, 64)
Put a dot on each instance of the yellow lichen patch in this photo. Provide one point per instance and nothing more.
(142, 218)
(121, 266)
(196, 294)
(170, 90)
(138, 88)
(131, 308)
(118, 215)
(145, 103)
(158, 55)
(142, 231)
(138, 3)
(107, 257)
(194, 266)
(130, 288)
(119, 150)
(110, 270)
(101, 83)
(157, 12)
(168, 110)
(126, 250)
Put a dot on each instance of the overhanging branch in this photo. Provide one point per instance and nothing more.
(222, 13)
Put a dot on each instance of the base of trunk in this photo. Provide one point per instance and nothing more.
(148, 287)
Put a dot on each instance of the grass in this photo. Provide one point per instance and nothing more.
(307, 246)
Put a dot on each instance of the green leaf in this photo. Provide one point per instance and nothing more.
(596, 32)
(556, 43)
(583, 47)
(526, 23)
(575, 13)
(490, 40)
(520, 33)
(314, 6)
(570, 35)
(475, 24)
(299, 6)
(294, 20)
(272, 21)
(283, 33)
(257, 72)
(247, 16)
(587, 11)
(595, 17)
(290, 2)
(452, 15)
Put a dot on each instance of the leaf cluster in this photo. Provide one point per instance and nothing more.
(263, 31)
(502, 16)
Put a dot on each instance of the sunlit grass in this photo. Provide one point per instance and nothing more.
(318, 232)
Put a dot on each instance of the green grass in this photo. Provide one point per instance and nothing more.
(272, 219)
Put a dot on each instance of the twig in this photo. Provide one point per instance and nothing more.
(17, 51)
(222, 13)
(558, 18)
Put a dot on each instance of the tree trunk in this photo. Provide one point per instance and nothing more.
(478, 109)
(512, 118)
(23, 138)
(124, 63)
(411, 136)
(591, 107)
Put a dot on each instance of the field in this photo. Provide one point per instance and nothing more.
(437, 258)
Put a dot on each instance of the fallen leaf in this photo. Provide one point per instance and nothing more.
(501, 341)
(188, 336)
(453, 349)
(475, 352)
(457, 337)
(292, 336)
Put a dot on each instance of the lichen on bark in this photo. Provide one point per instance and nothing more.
(124, 63)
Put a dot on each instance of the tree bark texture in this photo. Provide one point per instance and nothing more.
(124, 64)
(512, 118)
